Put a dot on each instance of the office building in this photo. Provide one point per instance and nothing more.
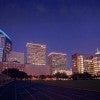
(5, 46)
(36, 54)
(96, 61)
(1, 54)
(16, 57)
(88, 64)
(6, 65)
(57, 62)
(83, 63)
(77, 63)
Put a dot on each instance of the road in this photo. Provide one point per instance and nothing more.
(25, 90)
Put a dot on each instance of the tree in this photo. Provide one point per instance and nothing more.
(75, 76)
(30, 77)
(22, 75)
(42, 77)
(15, 73)
(82, 76)
(59, 75)
(86, 75)
(12, 72)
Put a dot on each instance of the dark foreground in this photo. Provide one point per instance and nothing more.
(26, 90)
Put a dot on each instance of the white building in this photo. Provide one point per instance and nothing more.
(57, 62)
(36, 54)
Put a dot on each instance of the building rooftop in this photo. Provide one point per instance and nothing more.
(55, 53)
(34, 44)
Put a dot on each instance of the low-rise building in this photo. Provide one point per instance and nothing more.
(36, 70)
(5, 65)
(16, 57)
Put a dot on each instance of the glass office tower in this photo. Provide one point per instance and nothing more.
(5, 46)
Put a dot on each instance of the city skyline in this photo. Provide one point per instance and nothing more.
(36, 56)
(67, 26)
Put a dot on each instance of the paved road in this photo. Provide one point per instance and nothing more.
(21, 90)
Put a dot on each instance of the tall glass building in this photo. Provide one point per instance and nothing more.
(5, 46)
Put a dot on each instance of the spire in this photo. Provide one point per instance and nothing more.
(98, 52)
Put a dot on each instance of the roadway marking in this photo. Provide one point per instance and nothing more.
(57, 94)
(76, 93)
(29, 93)
(44, 94)
(15, 92)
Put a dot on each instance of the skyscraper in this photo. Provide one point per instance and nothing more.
(5, 46)
(82, 63)
(57, 62)
(88, 64)
(96, 61)
(36, 54)
(77, 63)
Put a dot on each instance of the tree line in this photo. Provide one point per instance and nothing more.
(16, 74)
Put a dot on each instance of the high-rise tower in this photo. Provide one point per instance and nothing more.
(82, 63)
(77, 63)
(36, 54)
(57, 62)
(5, 46)
(96, 61)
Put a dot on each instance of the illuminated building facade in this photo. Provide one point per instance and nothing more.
(16, 57)
(69, 72)
(5, 46)
(77, 63)
(36, 54)
(85, 63)
(89, 65)
(1, 54)
(96, 61)
(5, 65)
(57, 62)
(36, 70)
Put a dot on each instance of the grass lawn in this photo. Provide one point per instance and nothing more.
(80, 84)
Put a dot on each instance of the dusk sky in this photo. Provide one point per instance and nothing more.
(67, 26)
